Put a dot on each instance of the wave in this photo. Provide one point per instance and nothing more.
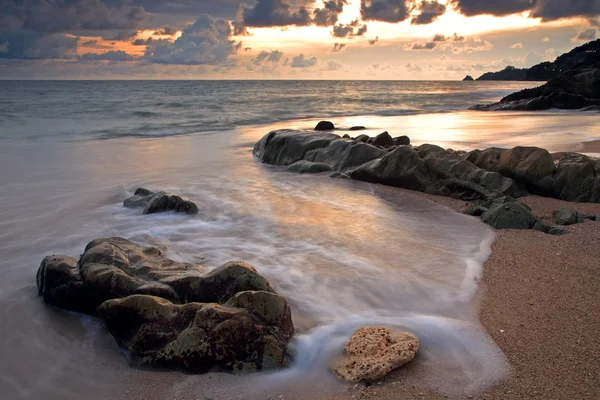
(144, 114)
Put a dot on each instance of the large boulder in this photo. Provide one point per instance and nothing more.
(527, 165)
(576, 178)
(401, 141)
(249, 333)
(373, 352)
(156, 202)
(567, 216)
(358, 154)
(170, 314)
(112, 268)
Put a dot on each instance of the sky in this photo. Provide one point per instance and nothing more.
(286, 39)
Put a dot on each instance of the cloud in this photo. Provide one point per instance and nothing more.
(67, 16)
(439, 38)
(381, 67)
(268, 56)
(429, 12)
(422, 46)
(498, 8)
(328, 15)
(517, 46)
(373, 41)
(333, 66)
(550, 10)
(239, 28)
(458, 38)
(112, 55)
(385, 10)
(205, 42)
(94, 44)
(302, 62)
(410, 67)
(354, 28)
(166, 31)
(586, 35)
(337, 47)
(35, 45)
(266, 13)
(546, 39)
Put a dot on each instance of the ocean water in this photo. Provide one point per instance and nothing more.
(343, 253)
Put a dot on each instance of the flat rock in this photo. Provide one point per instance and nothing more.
(156, 202)
(373, 352)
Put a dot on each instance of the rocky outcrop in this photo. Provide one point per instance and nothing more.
(373, 352)
(468, 78)
(156, 202)
(574, 89)
(309, 167)
(566, 216)
(427, 168)
(173, 314)
(565, 176)
(324, 126)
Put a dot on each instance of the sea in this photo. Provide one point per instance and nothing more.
(344, 253)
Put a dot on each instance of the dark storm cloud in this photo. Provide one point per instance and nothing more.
(550, 10)
(328, 15)
(239, 29)
(139, 42)
(205, 42)
(267, 13)
(354, 28)
(303, 62)
(586, 35)
(35, 45)
(385, 10)
(498, 8)
(112, 55)
(226, 9)
(429, 12)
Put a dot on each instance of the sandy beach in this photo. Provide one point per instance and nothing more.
(539, 303)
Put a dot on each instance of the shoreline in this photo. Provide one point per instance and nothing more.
(538, 302)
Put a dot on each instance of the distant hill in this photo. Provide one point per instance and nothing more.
(579, 57)
(468, 78)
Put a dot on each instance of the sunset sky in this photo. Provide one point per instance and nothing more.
(285, 39)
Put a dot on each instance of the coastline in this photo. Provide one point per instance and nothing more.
(538, 302)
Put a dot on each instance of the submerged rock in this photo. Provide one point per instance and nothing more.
(373, 352)
(324, 126)
(566, 216)
(171, 314)
(358, 128)
(156, 202)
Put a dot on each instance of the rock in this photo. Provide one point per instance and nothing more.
(169, 314)
(383, 139)
(115, 267)
(362, 138)
(401, 141)
(576, 88)
(373, 352)
(591, 109)
(468, 78)
(358, 128)
(160, 202)
(285, 147)
(249, 333)
(324, 126)
(358, 154)
(575, 179)
(566, 216)
(511, 215)
(308, 167)
(527, 165)
(346, 136)
(486, 159)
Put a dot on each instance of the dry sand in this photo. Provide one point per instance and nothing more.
(540, 302)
